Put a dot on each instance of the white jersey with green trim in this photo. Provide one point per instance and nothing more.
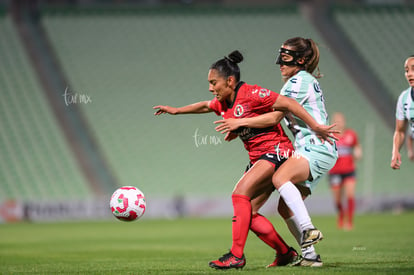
(305, 89)
(405, 108)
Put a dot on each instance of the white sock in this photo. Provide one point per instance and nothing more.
(293, 225)
(309, 252)
(294, 201)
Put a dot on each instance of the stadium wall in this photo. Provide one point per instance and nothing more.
(128, 61)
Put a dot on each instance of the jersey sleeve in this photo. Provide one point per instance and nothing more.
(292, 89)
(263, 98)
(399, 113)
(215, 106)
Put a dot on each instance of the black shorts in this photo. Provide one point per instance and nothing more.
(337, 179)
(275, 159)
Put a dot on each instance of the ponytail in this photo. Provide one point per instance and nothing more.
(312, 61)
(227, 66)
(309, 51)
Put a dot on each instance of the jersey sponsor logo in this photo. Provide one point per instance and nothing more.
(293, 80)
(246, 133)
(238, 110)
(405, 106)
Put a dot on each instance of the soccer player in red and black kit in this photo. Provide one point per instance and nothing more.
(268, 148)
(342, 175)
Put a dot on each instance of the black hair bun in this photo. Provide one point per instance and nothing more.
(235, 57)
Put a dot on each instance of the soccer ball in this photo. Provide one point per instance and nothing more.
(128, 203)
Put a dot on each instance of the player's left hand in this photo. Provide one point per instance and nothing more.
(396, 160)
(227, 125)
(327, 133)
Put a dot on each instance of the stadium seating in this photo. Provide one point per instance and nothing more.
(384, 36)
(127, 62)
(35, 161)
(131, 62)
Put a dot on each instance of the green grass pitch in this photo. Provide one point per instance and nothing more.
(379, 244)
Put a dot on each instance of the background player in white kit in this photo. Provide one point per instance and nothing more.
(404, 116)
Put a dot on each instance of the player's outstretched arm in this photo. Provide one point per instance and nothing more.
(324, 132)
(262, 121)
(195, 108)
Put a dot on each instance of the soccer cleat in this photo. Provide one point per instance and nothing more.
(316, 262)
(310, 237)
(228, 261)
(289, 258)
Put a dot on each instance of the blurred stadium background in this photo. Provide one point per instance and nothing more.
(79, 78)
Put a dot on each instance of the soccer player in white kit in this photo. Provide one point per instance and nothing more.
(404, 116)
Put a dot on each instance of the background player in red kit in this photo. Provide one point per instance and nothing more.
(342, 175)
(267, 147)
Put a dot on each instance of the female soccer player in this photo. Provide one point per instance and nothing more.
(404, 115)
(268, 148)
(342, 175)
(298, 59)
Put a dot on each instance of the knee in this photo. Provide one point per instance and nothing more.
(277, 181)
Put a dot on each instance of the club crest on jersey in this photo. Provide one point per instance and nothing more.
(238, 110)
